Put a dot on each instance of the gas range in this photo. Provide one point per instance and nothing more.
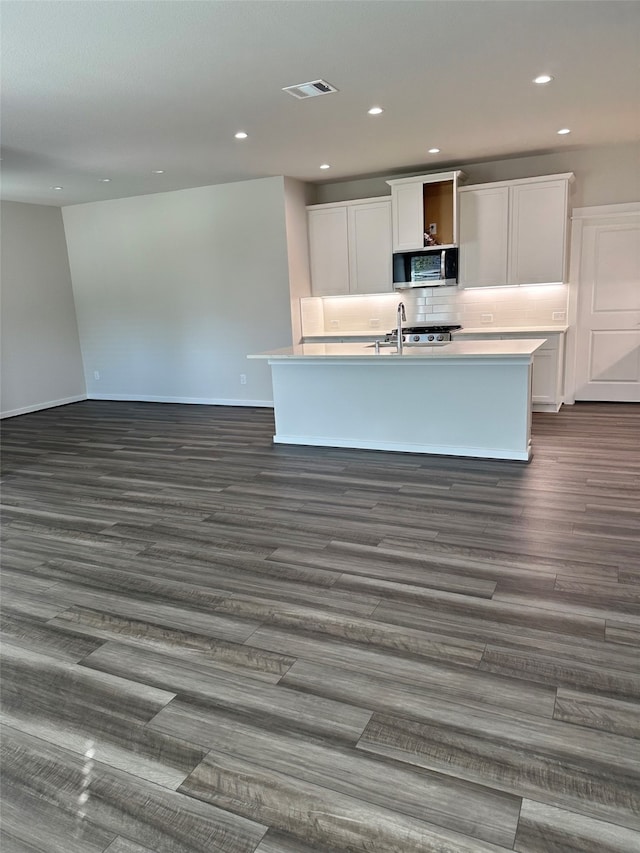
(421, 335)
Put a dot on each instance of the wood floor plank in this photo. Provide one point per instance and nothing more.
(144, 598)
(560, 670)
(32, 824)
(318, 814)
(598, 712)
(467, 809)
(32, 633)
(122, 804)
(278, 842)
(622, 632)
(372, 632)
(235, 657)
(123, 845)
(553, 762)
(460, 683)
(70, 706)
(545, 829)
(324, 649)
(208, 685)
(577, 625)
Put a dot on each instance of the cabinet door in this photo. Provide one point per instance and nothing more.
(328, 251)
(538, 232)
(548, 365)
(545, 376)
(408, 217)
(484, 228)
(370, 247)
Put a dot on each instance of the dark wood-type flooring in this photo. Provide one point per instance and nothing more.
(215, 644)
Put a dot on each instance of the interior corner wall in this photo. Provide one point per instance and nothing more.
(174, 290)
(41, 360)
(296, 195)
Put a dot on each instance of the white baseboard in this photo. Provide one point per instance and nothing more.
(36, 407)
(436, 449)
(196, 401)
(547, 407)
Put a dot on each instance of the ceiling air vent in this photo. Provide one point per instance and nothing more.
(310, 90)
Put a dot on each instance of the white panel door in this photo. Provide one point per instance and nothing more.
(408, 217)
(328, 251)
(370, 252)
(608, 329)
(484, 221)
(538, 232)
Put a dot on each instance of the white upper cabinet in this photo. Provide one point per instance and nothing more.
(350, 247)
(370, 262)
(514, 232)
(539, 216)
(426, 203)
(484, 229)
(408, 218)
(328, 250)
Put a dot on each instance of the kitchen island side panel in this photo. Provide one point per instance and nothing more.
(464, 408)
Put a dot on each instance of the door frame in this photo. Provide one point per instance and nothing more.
(580, 217)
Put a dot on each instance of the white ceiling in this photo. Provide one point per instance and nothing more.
(117, 89)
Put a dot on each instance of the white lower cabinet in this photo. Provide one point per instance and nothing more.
(545, 390)
(547, 393)
(350, 247)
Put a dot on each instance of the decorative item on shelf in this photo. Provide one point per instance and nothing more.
(429, 240)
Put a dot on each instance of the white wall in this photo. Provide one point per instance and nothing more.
(604, 175)
(173, 290)
(41, 361)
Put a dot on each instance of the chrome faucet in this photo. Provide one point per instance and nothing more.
(401, 316)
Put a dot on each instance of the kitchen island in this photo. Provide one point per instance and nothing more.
(464, 398)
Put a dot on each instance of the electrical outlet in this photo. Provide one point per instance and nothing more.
(559, 315)
(374, 323)
(96, 374)
(243, 378)
(433, 228)
(486, 318)
(334, 324)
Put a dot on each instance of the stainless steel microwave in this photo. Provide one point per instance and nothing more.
(428, 268)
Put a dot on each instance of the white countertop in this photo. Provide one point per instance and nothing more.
(511, 330)
(471, 330)
(521, 348)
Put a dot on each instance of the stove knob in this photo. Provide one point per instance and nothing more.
(430, 337)
(416, 338)
(440, 337)
(404, 338)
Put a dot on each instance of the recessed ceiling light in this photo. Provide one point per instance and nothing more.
(105, 180)
(375, 111)
(564, 130)
(158, 172)
(325, 166)
(542, 79)
(56, 188)
(434, 151)
(241, 134)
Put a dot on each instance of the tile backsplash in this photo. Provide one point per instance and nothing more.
(471, 308)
